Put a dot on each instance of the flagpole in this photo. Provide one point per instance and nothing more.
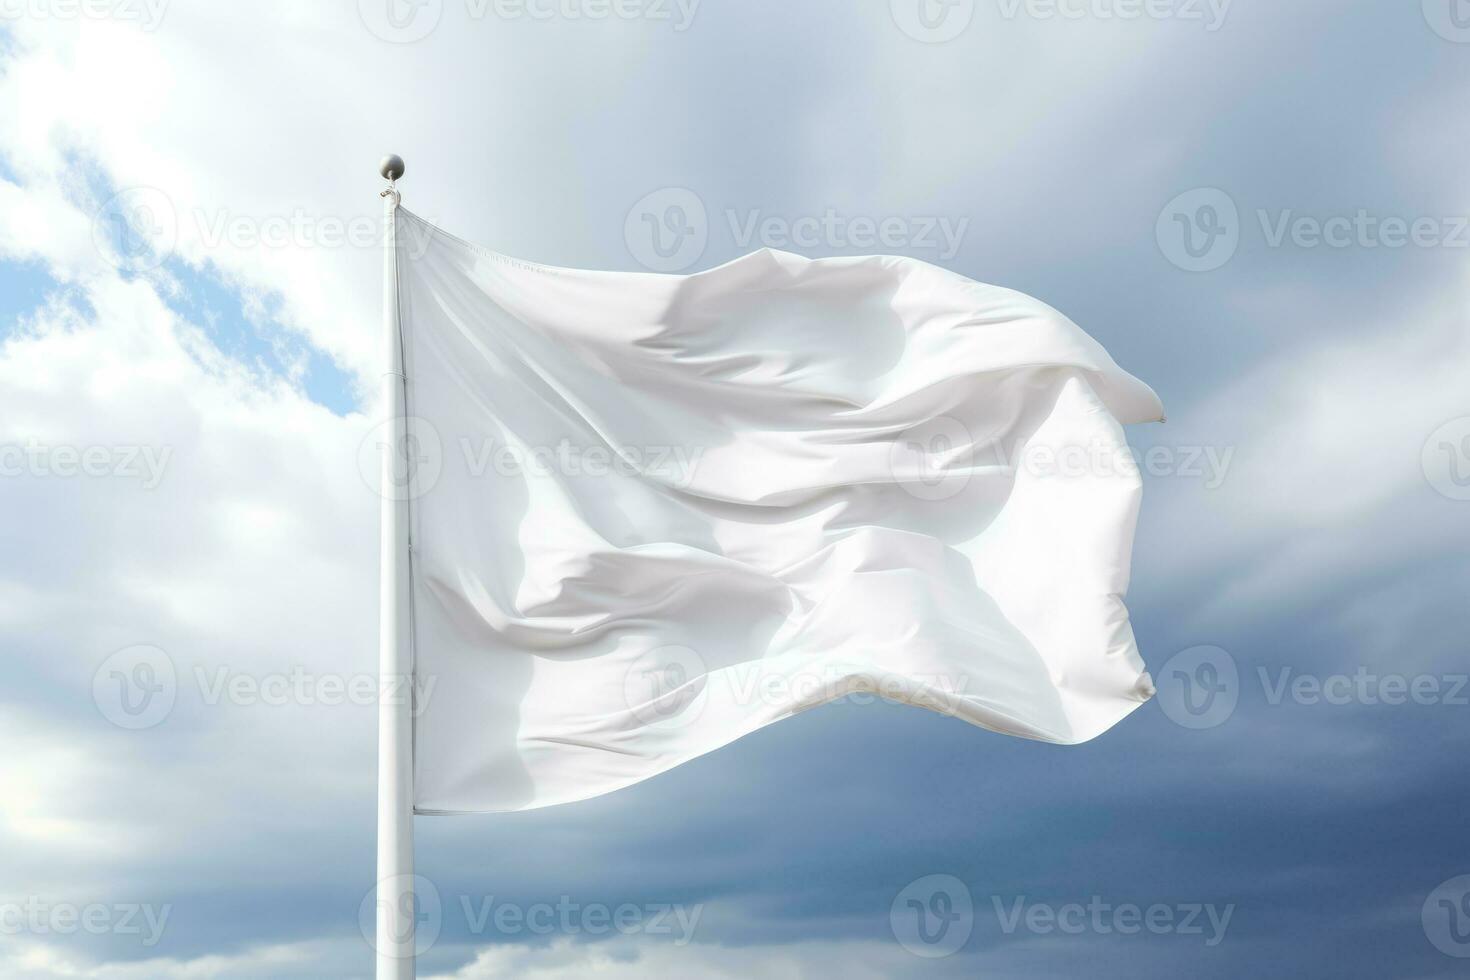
(395, 892)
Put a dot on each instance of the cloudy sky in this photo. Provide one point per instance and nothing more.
(1259, 207)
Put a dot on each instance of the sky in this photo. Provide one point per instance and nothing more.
(1262, 209)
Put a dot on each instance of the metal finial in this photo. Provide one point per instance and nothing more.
(391, 167)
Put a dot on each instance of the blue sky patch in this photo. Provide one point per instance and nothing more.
(246, 330)
(23, 288)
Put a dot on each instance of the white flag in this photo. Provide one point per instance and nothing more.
(653, 513)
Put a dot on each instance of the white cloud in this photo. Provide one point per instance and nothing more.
(1327, 439)
(254, 552)
(565, 960)
(36, 961)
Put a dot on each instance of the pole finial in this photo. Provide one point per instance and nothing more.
(391, 167)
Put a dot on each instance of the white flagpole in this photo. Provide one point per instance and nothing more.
(395, 899)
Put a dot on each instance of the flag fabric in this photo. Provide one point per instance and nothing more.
(653, 513)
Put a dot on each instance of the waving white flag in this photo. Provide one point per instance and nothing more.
(653, 513)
